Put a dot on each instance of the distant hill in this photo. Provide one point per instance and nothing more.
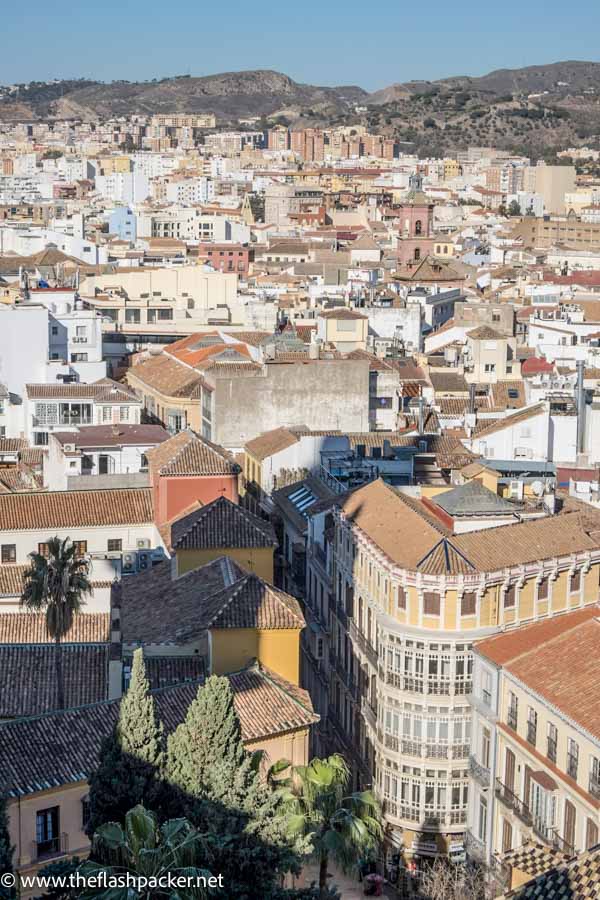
(535, 110)
(229, 95)
(559, 78)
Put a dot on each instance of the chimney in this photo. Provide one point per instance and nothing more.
(471, 398)
(580, 406)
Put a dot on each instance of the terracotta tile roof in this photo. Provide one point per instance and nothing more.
(218, 367)
(102, 391)
(535, 366)
(60, 748)
(168, 376)
(252, 603)
(564, 671)
(378, 439)
(533, 858)
(112, 435)
(12, 445)
(450, 452)
(507, 395)
(11, 580)
(19, 478)
(28, 677)
(194, 350)
(342, 313)
(187, 453)
(163, 671)
(384, 514)
(270, 442)
(577, 879)
(510, 645)
(254, 338)
(445, 559)
(157, 607)
(511, 545)
(30, 628)
(485, 333)
(449, 382)
(32, 456)
(221, 524)
(522, 415)
(72, 509)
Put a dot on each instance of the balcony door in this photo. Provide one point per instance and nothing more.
(570, 819)
(509, 770)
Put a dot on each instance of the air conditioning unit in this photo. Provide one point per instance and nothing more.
(129, 564)
(69, 448)
(143, 543)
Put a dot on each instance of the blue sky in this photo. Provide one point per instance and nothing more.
(370, 44)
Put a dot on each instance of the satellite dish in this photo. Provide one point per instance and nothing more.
(538, 488)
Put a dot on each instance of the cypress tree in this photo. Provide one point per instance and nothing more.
(221, 791)
(6, 851)
(130, 758)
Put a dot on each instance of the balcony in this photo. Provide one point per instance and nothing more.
(392, 742)
(594, 786)
(370, 713)
(510, 799)
(412, 748)
(479, 772)
(436, 751)
(550, 836)
(56, 846)
(460, 751)
(363, 643)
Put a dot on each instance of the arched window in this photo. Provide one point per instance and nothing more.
(417, 254)
(418, 227)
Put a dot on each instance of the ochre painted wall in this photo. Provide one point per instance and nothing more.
(277, 649)
(258, 560)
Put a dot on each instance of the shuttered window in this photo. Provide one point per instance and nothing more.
(468, 605)
(431, 604)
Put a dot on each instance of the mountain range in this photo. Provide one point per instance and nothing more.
(532, 108)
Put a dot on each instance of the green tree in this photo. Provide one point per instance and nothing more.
(57, 871)
(215, 782)
(341, 827)
(140, 847)
(131, 758)
(57, 584)
(6, 851)
(514, 209)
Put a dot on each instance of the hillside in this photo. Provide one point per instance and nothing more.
(228, 95)
(535, 110)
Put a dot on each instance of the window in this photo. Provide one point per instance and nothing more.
(80, 547)
(575, 582)
(482, 819)
(418, 227)
(124, 413)
(490, 367)
(486, 690)
(486, 743)
(572, 758)
(417, 254)
(47, 831)
(506, 836)
(431, 603)
(81, 331)
(552, 742)
(55, 330)
(512, 718)
(9, 553)
(44, 550)
(79, 357)
(107, 413)
(543, 589)
(510, 597)
(591, 834)
(401, 597)
(114, 545)
(531, 726)
(468, 606)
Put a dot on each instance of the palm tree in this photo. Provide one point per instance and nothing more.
(148, 851)
(57, 583)
(341, 827)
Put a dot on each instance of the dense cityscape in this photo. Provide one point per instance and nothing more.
(299, 494)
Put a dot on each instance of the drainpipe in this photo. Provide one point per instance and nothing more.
(580, 407)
